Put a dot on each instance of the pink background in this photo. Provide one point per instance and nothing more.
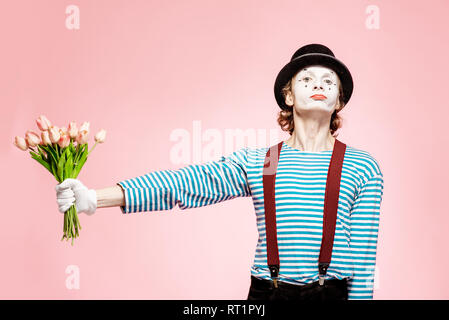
(141, 69)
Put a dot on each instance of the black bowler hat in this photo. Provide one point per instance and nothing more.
(312, 54)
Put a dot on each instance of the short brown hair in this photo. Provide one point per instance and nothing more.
(285, 117)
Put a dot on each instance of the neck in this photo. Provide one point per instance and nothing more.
(311, 134)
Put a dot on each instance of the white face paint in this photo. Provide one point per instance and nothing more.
(315, 80)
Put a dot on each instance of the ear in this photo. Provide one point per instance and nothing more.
(289, 99)
(337, 106)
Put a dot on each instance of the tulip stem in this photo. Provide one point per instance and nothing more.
(92, 148)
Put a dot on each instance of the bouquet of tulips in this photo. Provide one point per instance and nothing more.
(56, 150)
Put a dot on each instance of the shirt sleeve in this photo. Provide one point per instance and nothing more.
(193, 186)
(364, 231)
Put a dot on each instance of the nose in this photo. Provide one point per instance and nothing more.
(318, 85)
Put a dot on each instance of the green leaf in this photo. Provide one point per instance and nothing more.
(54, 169)
(69, 165)
(39, 159)
(77, 148)
(61, 164)
(81, 150)
(47, 158)
(51, 152)
(60, 169)
(68, 153)
(41, 152)
(81, 161)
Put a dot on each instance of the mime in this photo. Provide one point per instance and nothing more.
(316, 199)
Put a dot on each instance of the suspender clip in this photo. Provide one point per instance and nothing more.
(274, 271)
(322, 267)
(321, 280)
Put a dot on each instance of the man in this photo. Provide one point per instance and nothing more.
(310, 90)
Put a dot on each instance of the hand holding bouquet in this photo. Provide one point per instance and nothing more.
(56, 150)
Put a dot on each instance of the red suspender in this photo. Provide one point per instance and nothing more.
(330, 207)
(329, 213)
(269, 177)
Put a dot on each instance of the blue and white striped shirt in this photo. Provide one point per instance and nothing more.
(300, 186)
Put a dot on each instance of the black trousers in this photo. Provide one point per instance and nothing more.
(262, 289)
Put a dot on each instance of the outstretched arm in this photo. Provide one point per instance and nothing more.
(110, 197)
(193, 186)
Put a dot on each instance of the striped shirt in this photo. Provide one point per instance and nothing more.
(300, 186)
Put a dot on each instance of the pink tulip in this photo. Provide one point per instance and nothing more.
(20, 143)
(85, 127)
(54, 134)
(43, 123)
(32, 138)
(73, 130)
(82, 137)
(100, 136)
(64, 140)
(62, 131)
(45, 137)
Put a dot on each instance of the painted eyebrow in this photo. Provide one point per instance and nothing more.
(309, 72)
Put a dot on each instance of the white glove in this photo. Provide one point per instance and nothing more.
(73, 191)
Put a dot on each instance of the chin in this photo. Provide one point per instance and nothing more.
(315, 107)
